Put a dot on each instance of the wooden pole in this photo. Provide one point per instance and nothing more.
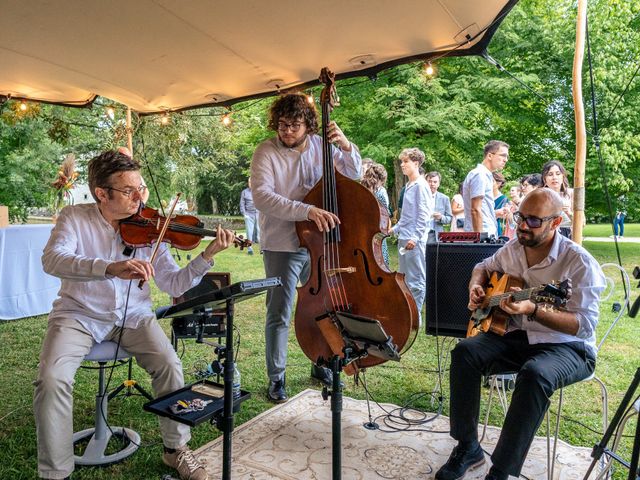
(129, 132)
(581, 133)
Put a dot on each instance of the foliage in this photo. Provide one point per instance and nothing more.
(450, 116)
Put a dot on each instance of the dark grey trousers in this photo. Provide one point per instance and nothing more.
(541, 368)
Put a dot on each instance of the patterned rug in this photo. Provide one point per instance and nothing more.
(292, 441)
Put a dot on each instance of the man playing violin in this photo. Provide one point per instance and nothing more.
(548, 348)
(98, 302)
(283, 171)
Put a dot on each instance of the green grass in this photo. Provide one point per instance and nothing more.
(392, 382)
(605, 229)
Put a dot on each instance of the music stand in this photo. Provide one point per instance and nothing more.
(362, 337)
(225, 297)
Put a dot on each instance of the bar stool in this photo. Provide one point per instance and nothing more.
(100, 434)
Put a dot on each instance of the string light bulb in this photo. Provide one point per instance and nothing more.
(429, 70)
(310, 99)
(23, 106)
(164, 120)
(111, 113)
(226, 120)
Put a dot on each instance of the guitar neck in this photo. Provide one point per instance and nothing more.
(494, 300)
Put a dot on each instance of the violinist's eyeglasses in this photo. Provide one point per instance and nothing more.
(294, 127)
(532, 221)
(128, 192)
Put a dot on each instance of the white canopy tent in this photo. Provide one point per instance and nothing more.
(162, 55)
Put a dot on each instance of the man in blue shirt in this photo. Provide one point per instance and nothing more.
(412, 229)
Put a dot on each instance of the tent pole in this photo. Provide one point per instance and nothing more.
(129, 131)
(581, 133)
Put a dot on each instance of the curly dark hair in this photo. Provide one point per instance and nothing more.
(293, 106)
(106, 164)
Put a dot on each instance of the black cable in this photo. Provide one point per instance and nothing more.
(596, 141)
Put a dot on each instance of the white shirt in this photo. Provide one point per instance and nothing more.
(479, 183)
(566, 260)
(81, 246)
(417, 208)
(280, 179)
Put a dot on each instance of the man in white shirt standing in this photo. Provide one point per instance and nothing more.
(412, 229)
(283, 171)
(477, 189)
(548, 348)
(98, 302)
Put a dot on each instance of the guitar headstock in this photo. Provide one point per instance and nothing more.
(555, 294)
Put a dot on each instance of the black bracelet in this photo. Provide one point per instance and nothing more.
(532, 317)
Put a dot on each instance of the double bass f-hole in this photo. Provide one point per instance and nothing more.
(367, 270)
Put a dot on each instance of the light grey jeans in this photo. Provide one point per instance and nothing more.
(413, 264)
(290, 267)
(65, 345)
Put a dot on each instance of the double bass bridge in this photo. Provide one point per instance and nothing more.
(332, 272)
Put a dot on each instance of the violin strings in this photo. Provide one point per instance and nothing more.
(183, 228)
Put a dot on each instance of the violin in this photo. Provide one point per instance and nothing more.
(183, 232)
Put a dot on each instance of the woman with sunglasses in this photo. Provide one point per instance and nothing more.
(554, 176)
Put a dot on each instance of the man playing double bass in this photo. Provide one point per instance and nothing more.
(283, 171)
(97, 302)
(548, 349)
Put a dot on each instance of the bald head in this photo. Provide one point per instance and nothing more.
(542, 202)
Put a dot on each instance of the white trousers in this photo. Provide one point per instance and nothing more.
(65, 345)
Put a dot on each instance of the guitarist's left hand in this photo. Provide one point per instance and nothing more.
(524, 307)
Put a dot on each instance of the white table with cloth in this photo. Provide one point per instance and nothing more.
(25, 290)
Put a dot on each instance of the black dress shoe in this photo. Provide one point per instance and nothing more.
(495, 474)
(459, 462)
(276, 392)
(322, 374)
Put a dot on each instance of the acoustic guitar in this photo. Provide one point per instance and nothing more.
(489, 317)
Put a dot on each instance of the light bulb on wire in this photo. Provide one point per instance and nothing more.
(310, 99)
(164, 120)
(23, 106)
(226, 120)
(111, 113)
(429, 70)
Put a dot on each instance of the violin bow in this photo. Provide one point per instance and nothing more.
(167, 221)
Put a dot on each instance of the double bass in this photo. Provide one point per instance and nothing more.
(348, 273)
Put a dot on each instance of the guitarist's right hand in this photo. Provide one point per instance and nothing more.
(476, 296)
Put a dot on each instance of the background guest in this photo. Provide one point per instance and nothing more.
(554, 176)
(441, 215)
(457, 209)
(375, 179)
(530, 182)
